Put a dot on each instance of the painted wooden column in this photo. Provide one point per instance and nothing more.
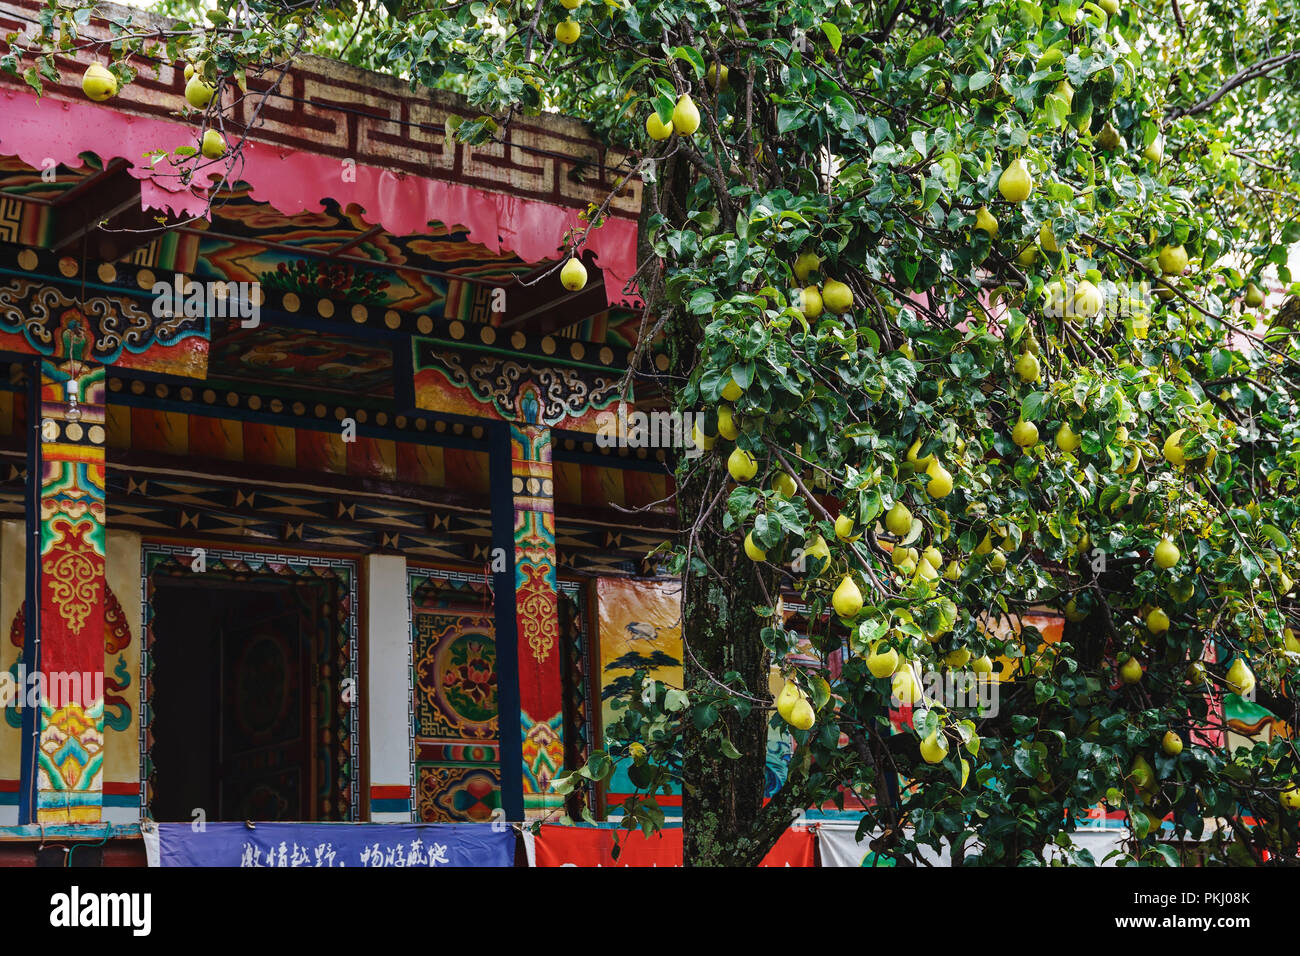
(541, 690)
(387, 699)
(66, 579)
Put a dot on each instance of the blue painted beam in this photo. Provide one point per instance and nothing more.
(71, 831)
(504, 610)
(32, 592)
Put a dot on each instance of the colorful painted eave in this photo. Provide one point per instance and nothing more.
(335, 131)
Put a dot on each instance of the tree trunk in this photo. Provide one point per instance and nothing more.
(723, 797)
(724, 819)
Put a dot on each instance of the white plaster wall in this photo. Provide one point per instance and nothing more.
(388, 678)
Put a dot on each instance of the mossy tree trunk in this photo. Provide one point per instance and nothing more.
(725, 819)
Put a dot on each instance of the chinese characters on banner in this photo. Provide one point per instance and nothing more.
(325, 844)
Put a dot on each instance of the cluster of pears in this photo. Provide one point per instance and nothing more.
(1025, 433)
(792, 704)
(785, 486)
(939, 484)
(685, 120)
(741, 464)
(1142, 776)
(888, 664)
(997, 556)
(923, 565)
(198, 94)
(728, 427)
(812, 301)
(1028, 256)
(1074, 300)
(567, 30)
(1015, 184)
(99, 84)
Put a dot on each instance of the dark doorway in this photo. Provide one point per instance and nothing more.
(235, 680)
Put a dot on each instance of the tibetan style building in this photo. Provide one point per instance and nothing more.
(304, 518)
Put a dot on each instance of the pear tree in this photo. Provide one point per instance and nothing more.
(989, 306)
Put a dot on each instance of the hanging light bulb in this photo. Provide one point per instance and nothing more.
(73, 390)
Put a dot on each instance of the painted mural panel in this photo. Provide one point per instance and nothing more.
(455, 710)
(12, 563)
(122, 630)
(640, 630)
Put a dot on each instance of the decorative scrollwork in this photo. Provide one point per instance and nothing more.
(74, 585)
(536, 612)
(513, 387)
(35, 311)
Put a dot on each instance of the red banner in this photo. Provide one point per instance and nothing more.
(592, 846)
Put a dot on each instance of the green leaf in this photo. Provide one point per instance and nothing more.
(691, 56)
(705, 717)
(789, 116)
(1169, 855)
(1276, 536)
(833, 34)
(675, 700)
(923, 49)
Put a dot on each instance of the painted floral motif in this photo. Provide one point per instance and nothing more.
(326, 281)
(469, 680)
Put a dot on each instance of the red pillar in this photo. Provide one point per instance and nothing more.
(541, 695)
(69, 751)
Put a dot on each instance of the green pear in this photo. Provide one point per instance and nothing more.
(1240, 678)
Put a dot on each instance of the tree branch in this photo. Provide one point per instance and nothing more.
(1262, 68)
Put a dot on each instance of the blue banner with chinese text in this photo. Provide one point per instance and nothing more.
(335, 844)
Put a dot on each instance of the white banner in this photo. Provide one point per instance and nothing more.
(839, 848)
(1097, 841)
